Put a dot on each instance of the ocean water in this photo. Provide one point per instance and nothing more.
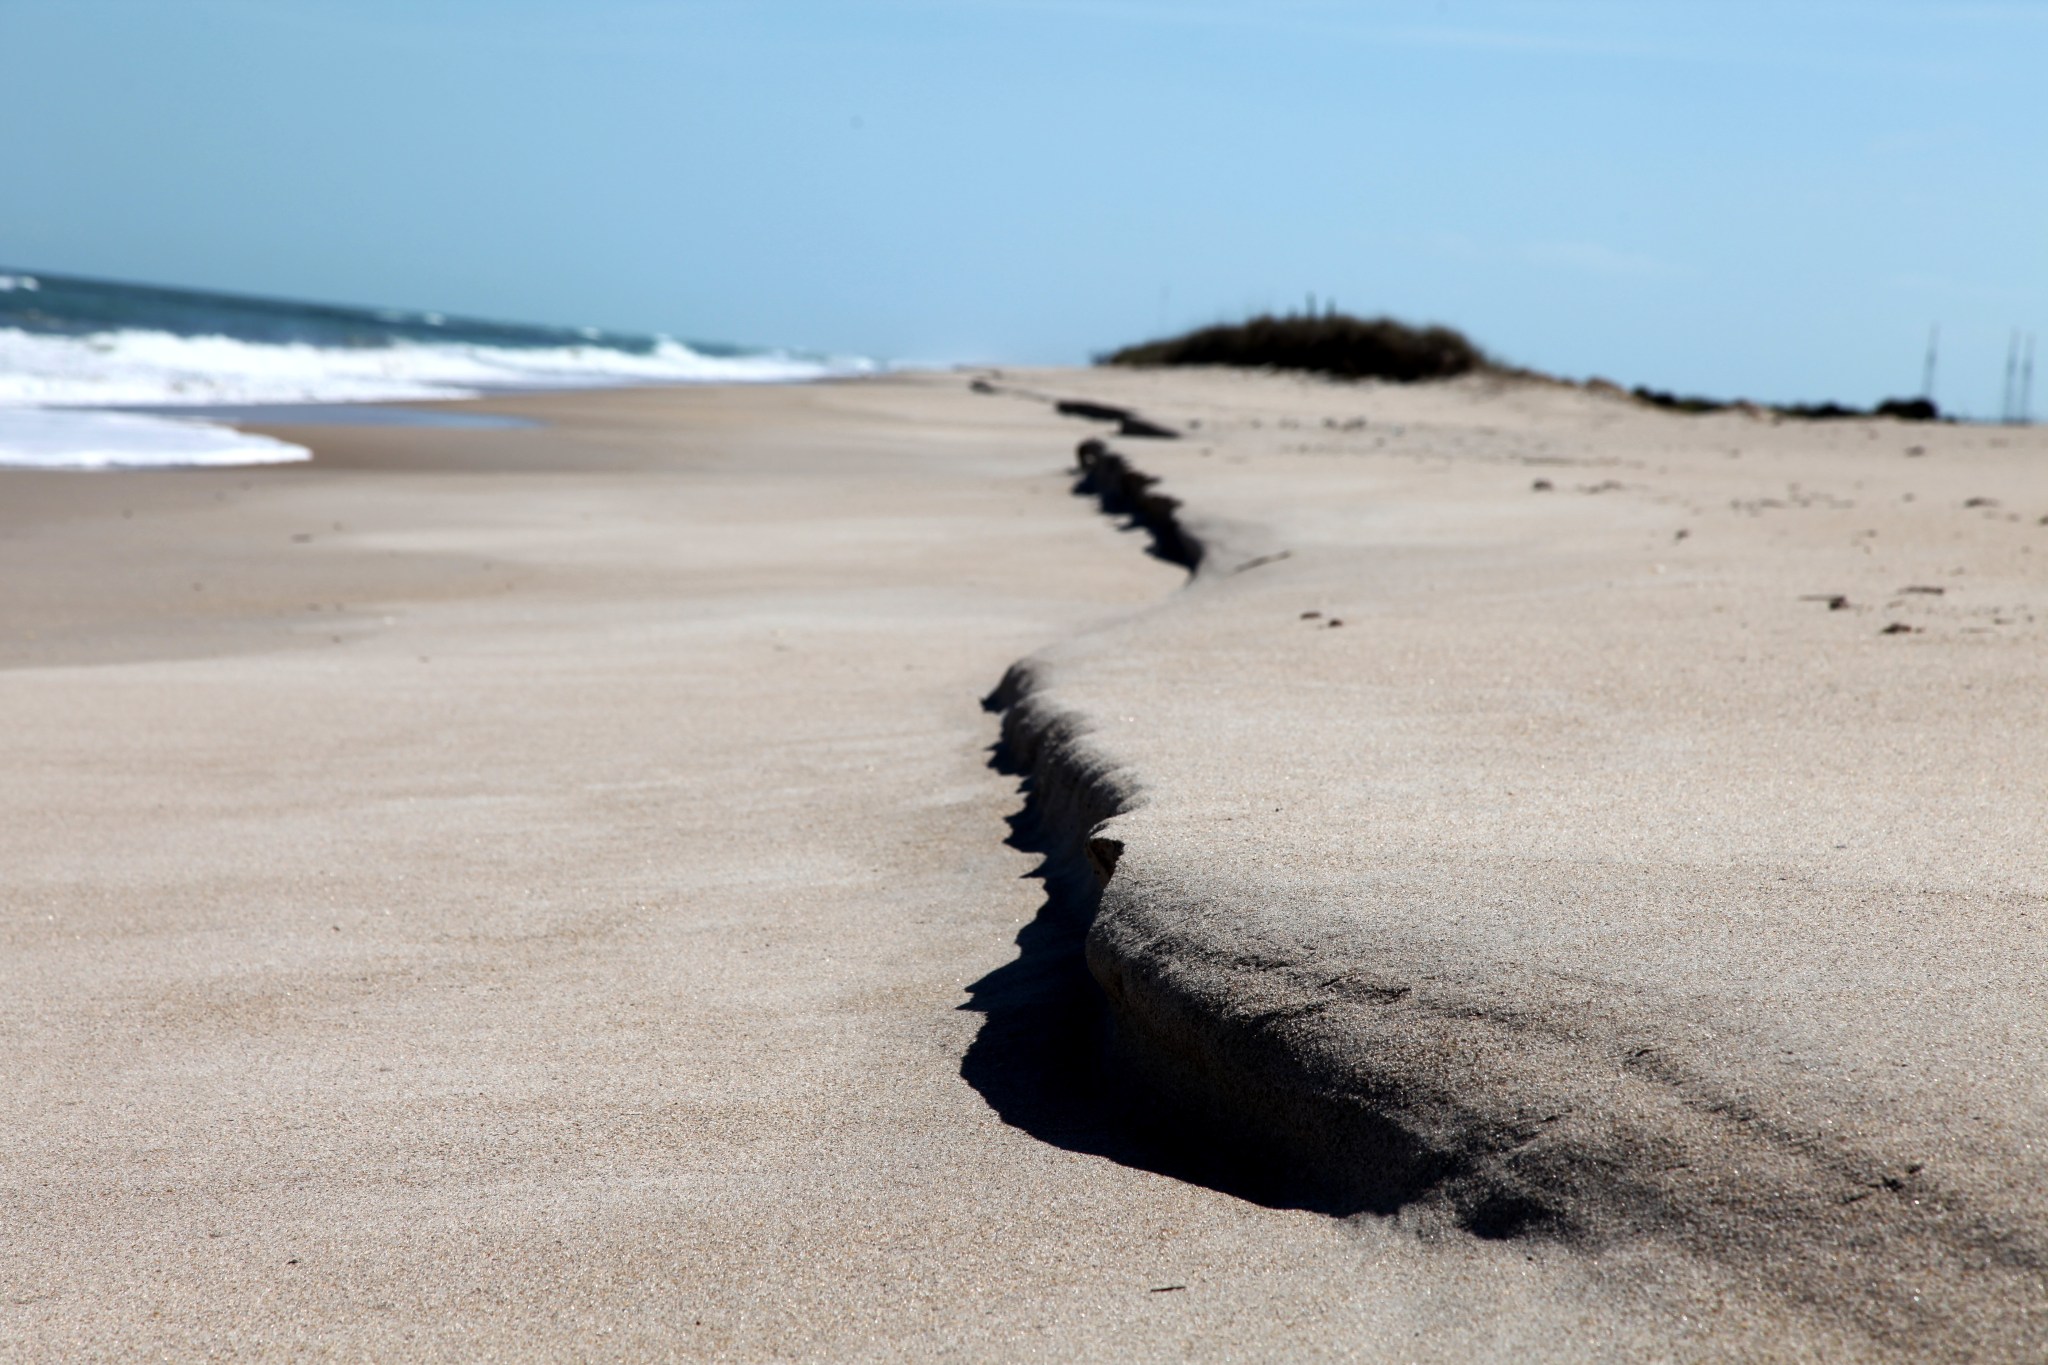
(70, 348)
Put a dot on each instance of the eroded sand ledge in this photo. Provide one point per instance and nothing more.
(1645, 860)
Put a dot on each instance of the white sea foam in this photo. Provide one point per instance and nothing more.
(38, 438)
(159, 369)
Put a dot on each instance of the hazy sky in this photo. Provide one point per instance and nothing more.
(1765, 199)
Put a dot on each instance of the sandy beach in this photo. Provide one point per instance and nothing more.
(1604, 826)
(1570, 882)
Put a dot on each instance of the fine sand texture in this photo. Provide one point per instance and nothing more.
(545, 893)
(1550, 822)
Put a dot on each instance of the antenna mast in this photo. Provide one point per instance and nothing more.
(2026, 398)
(2007, 397)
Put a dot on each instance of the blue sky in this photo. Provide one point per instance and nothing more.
(1773, 200)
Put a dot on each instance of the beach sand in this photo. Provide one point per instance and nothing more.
(536, 892)
(1558, 820)
(514, 893)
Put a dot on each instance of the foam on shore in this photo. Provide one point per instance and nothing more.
(42, 438)
(137, 367)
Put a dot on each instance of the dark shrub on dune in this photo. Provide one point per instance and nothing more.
(1903, 409)
(1331, 343)
(1382, 348)
(1678, 402)
(1820, 412)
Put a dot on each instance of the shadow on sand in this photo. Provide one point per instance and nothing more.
(1041, 1056)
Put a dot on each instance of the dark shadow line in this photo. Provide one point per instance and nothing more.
(1042, 1057)
(1122, 490)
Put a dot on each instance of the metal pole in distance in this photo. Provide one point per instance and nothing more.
(2012, 376)
(2027, 382)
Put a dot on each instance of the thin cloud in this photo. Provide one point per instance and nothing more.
(1522, 40)
(1578, 257)
(1595, 258)
(1574, 28)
